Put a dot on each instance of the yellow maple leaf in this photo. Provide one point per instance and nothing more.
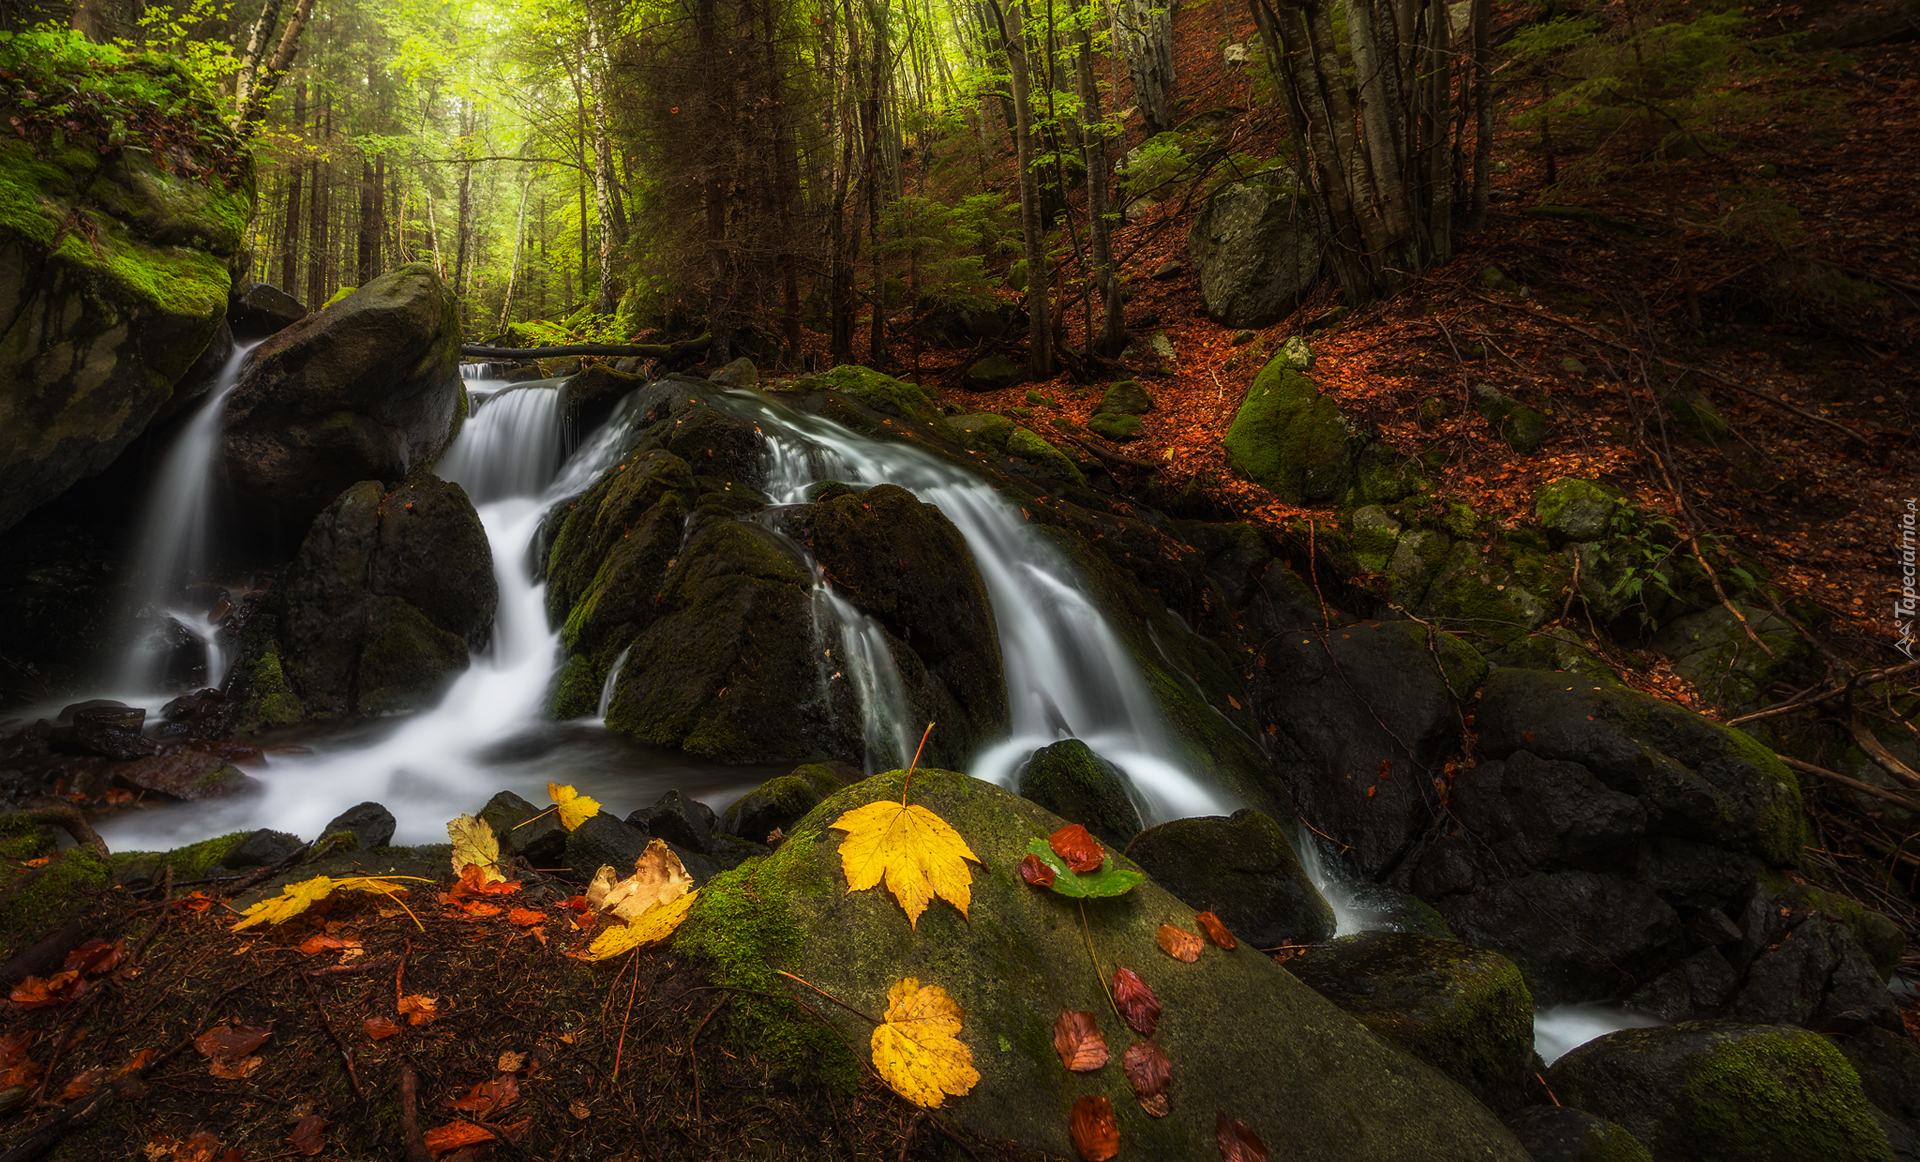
(574, 807)
(658, 878)
(297, 898)
(473, 843)
(649, 927)
(915, 850)
(917, 1048)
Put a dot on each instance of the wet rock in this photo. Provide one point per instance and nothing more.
(525, 830)
(1725, 1091)
(1888, 1063)
(366, 389)
(1465, 1011)
(739, 373)
(1804, 966)
(994, 373)
(778, 803)
(113, 732)
(259, 309)
(1074, 783)
(1377, 907)
(1563, 1134)
(1576, 935)
(730, 851)
(591, 396)
(370, 824)
(1541, 815)
(193, 770)
(603, 840)
(1366, 716)
(965, 322)
(683, 822)
(984, 431)
(1697, 987)
(262, 848)
(1243, 870)
(1257, 253)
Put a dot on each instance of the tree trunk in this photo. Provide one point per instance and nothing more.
(290, 233)
(254, 57)
(519, 236)
(265, 83)
(608, 294)
(317, 287)
(1112, 337)
(1147, 43)
(1483, 117)
(1039, 337)
(366, 238)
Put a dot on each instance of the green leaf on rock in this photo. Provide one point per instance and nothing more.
(1108, 881)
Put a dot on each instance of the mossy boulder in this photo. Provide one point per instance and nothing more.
(1241, 1033)
(778, 803)
(1035, 450)
(268, 701)
(984, 431)
(1561, 1134)
(994, 373)
(383, 601)
(883, 393)
(1071, 781)
(1573, 510)
(1256, 251)
(1522, 428)
(368, 389)
(1118, 428)
(1712, 650)
(1290, 438)
(114, 266)
(1244, 870)
(1125, 398)
(1463, 1010)
(1725, 1091)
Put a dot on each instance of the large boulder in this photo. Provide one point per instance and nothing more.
(1243, 870)
(1242, 1036)
(1071, 781)
(1290, 438)
(386, 597)
(114, 268)
(1257, 251)
(367, 389)
(1725, 1091)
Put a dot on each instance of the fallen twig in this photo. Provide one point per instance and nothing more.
(1893, 797)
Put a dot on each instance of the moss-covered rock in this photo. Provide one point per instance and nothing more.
(1290, 438)
(1322, 1084)
(1463, 1010)
(43, 900)
(1574, 510)
(778, 803)
(1118, 428)
(1725, 1091)
(1125, 398)
(1244, 870)
(1076, 784)
(114, 265)
(368, 389)
(269, 702)
(994, 373)
(984, 431)
(1712, 650)
(883, 393)
(1035, 450)
(1561, 1134)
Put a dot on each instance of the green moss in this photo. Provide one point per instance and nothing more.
(22, 839)
(1116, 427)
(1290, 438)
(576, 688)
(342, 293)
(882, 393)
(271, 701)
(1035, 450)
(192, 862)
(1790, 1095)
(1880, 937)
(61, 891)
(1783, 825)
(741, 925)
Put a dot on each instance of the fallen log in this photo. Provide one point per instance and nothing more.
(645, 350)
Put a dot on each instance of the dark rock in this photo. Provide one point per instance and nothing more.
(994, 373)
(730, 851)
(1078, 785)
(1523, 428)
(683, 822)
(1692, 875)
(259, 309)
(1168, 269)
(1563, 1134)
(1724, 1091)
(1806, 968)
(1888, 1063)
(192, 771)
(262, 848)
(370, 824)
(962, 323)
(1697, 987)
(639, 817)
(1366, 717)
(113, 732)
(57, 584)
(366, 389)
(1243, 870)
(603, 841)
(1576, 935)
(1531, 814)
(525, 830)
(1257, 252)
(1377, 907)
(740, 373)
(778, 803)
(1465, 1011)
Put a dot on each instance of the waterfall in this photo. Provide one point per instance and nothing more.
(176, 534)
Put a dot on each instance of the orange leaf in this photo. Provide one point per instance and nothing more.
(1078, 847)
(308, 1135)
(526, 917)
(230, 1040)
(1217, 932)
(1036, 871)
(1135, 1001)
(1148, 1072)
(197, 1148)
(1178, 943)
(379, 1028)
(441, 1139)
(1078, 1041)
(35, 993)
(96, 957)
(473, 882)
(419, 1010)
(1096, 1132)
(1237, 1142)
(83, 1084)
(320, 942)
(197, 902)
(233, 1068)
(13, 1048)
(488, 1096)
(478, 909)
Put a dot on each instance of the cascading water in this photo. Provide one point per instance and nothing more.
(176, 535)
(1068, 674)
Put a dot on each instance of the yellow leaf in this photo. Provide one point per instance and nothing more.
(915, 850)
(473, 843)
(297, 898)
(917, 1048)
(658, 878)
(650, 927)
(574, 807)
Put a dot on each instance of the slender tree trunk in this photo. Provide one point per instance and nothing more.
(1039, 336)
(608, 294)
(290, 231)
(266, 82)
(519, 236)
(255, 55)
(875, 175)
(317, 272)
(1483, 116)
(1112, 337)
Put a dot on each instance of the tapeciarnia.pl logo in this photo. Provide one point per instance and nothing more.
(1905, 604)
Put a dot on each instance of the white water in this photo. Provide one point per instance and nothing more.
(1563, 1028)
(1067, 672)
(176, 533)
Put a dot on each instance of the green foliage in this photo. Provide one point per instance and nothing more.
(1158, 163)
(583, 326)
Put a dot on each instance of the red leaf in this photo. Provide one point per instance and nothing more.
(380, 1028)
(1078, 847)
(1037, 871)
(1077, 1039)
(1148, 1072)
(1178, 943)
(35, 993)
(441, 1139)
(198, 1147)
(1217, 932)
(231, 1040)
(1096, 1132)
(488, 1096)
(1237, 1143)
(526, 917)
(96, 957)
(308, 1135)
(1136, 1001)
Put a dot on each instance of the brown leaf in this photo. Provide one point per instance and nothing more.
(96, 957)
(511, 1062)
(579, 1109)
(454, 1135)
(82, 1084)
(1096, 1132)
(488, 1096)
(380, 1028)
(36, 993)
(231, 1040)
(321, 942)
(308, 1135)
(1136, 1001)
(1078, 847)
(473, 882)
(233, 1068)
(1148, 1072)
(1237, 1142)
(478, 909)
(1077, 1039)
(1036, 871)
(199, 1147)
(1217, 932)
(1178, 943)
(419, 1010)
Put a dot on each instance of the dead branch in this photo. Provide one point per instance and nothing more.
(1893, 797)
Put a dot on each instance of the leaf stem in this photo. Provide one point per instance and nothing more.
(823, 992)
(912, 765)
(1108, 993)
